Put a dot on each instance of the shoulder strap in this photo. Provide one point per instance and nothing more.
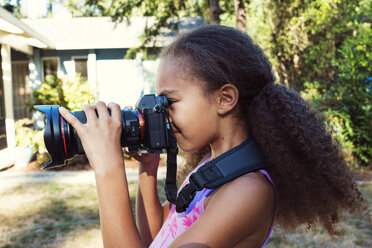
(236, 162)
(170, 185)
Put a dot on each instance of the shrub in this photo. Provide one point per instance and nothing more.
(347, 101)
(69, 94)
(27, 136)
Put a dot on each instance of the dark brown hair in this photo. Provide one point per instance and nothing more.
(312, 180)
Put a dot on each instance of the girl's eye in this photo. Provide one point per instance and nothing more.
(170, 102)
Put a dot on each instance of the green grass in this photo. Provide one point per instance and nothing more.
(65, 215)
(47, 215)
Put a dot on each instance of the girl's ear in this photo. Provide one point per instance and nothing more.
(228, 96)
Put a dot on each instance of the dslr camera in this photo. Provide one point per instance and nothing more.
(143, 129)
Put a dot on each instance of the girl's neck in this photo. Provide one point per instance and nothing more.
(228, 139)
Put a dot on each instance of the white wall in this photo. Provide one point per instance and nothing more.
(121, 81)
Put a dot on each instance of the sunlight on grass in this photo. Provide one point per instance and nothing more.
(40, 212)
(82, 238)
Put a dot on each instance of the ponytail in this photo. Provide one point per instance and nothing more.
(310, 174)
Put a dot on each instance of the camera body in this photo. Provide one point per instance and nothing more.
(143, 129)
(154, 110)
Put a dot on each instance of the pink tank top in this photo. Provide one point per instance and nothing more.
(177, 223)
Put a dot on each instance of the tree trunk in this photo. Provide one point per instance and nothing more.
(240, 15)
(215, 12)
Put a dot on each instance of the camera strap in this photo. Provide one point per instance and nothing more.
(170, 185)
(236, 162)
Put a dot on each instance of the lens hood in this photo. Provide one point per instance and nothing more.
(53, 135)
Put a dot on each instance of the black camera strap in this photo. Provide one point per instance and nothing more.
(170, 185)
(236, 162)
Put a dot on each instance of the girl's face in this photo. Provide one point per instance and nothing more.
(194, 116)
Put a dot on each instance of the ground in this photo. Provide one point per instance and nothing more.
(80, 164)
(362, 175)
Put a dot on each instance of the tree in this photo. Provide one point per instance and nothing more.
(240, 14)
(13, 7)
(82, 8)
(167, 14)
(322, 48)
(215, 11)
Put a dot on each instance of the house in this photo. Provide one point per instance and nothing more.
(18, 44)
(94, 47)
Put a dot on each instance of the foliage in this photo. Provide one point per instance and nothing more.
(50, 92)
(80, 8)
(27, 136)
(306, 36)
(164, 16)
(76, 93)
(13, 6)
(347, 102)
(69, 94)
(323, 48)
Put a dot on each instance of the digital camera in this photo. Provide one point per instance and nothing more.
(143, 129)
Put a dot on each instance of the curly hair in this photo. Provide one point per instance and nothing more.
(312, 179)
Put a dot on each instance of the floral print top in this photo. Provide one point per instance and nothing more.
(177, 223)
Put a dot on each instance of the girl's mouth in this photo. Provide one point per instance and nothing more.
(176, 131)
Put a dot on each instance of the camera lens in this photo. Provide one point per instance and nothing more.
(141, 129)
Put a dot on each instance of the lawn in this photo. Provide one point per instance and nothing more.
(66, 215)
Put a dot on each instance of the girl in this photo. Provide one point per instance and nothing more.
(220, 88)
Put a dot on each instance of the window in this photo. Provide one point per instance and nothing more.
(50, 66)
(21, 89)
(81, 67)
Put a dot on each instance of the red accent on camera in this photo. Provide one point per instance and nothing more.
(142, 126)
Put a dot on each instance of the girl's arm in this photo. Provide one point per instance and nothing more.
(100, 138)
(117, 221)
(150, 213)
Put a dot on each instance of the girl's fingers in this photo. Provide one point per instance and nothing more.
(115, 111)
(90, 113)
(102, 110)
(74, 122)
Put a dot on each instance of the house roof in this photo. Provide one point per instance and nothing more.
(100, 32)
(19, 35)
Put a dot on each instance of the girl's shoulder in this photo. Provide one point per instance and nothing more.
(249, 187)
(247, 205)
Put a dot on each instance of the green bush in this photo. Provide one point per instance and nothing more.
(69, 94)
(27, 136)
(324, 49)
(347, 100)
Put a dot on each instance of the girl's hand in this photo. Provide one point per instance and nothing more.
(147, 161)
(100, 136)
